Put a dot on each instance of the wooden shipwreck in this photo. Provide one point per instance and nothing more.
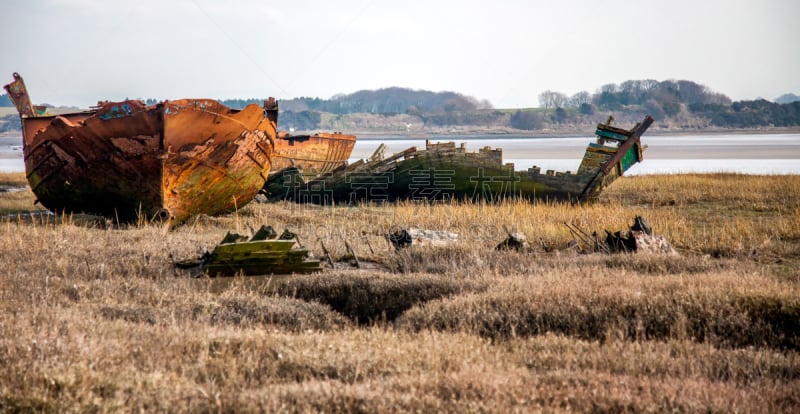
(314, 154)
(127, 160)
(443, 171)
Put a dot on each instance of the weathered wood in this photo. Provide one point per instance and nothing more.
(514, 241)
(614, 130)
(446, 171)
(419, 237)
(597, 180)
(259, 256)
(264, 233)
(352, 253)
(254, 246)
(611, 135)
(638, 239)
(232, 238)
(327, 254)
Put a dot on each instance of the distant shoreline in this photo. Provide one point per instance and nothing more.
(500, 133)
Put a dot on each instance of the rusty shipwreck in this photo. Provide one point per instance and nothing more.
(127, 160)
(444, 171)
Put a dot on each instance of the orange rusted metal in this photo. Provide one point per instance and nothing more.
(313, 154)
(126, 160)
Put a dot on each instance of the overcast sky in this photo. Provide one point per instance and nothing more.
(76, 52)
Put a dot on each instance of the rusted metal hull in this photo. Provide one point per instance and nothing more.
(312, 154)
(127, 161)
(445, 171)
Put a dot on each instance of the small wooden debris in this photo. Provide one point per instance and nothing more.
(515, 241)
(584, 242)
(414, 237)
(352, 254)
(287, 235)
(647, 243)
(262, 254)
(639, 239)
(327, 254)
(264, 233)
(233, 238)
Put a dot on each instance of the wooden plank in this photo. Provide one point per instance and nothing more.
(261, 255)
(254, 246)
(611, 135)
(615, 130)
(301, 268)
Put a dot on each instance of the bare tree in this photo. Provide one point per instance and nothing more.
(580, 98)
(551, 100)
(609, 88)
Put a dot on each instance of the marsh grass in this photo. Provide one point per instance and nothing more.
(371, 298)
(731, 310)
(96, 318)
(14, 201)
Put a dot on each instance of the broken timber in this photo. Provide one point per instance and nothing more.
(421, 237)
(260, 255)
(443, 171)
(638, 239)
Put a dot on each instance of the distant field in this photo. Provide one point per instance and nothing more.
(97, 318)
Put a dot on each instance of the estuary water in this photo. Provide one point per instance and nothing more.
(665, 154)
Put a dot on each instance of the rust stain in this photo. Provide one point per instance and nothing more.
(125, 160)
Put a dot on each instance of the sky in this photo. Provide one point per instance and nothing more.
(77, 52)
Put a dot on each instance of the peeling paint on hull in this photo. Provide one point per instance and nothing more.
(170, 161)
(313, 154)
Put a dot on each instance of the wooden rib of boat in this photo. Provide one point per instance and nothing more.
(313, 154)
(127, 160)
(444, 171)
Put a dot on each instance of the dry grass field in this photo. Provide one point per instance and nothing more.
(94, 317)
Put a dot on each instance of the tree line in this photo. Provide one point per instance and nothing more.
(664, 100)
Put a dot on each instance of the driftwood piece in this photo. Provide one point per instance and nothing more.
(647, 243)
(638, 239)
(585, 242)
(420, 237)
(352, 254)
(514, 241)
(327, 254)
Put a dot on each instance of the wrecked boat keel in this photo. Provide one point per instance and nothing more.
(444, 171)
